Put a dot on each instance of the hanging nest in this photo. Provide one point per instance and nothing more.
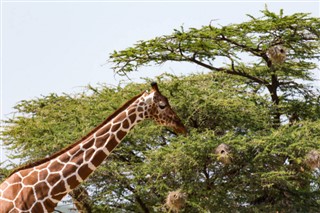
(223, 153)
(175, 201)
(312, 159)
(277, 54)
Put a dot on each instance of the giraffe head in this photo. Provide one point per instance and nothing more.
(160, 110)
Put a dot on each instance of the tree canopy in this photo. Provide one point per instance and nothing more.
(264, 112)
(243, 49)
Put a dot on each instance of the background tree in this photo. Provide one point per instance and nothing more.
(244, 50)
(245, 103)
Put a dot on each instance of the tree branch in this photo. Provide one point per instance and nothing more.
(232, 72)
(81, 199)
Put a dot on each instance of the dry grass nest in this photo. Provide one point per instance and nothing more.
(277, 54)
(175, 201)
(223, 153)
(312, 159)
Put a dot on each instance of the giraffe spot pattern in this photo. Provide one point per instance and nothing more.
(27, 197)
(5, 204)
(15, 188)
(43, 174)
(38, 189)
(84, 171)
(125, 124)
(33, 178)
(88, 154)
(132, 118)
(37, 208)
(42, 189)
(73, 182)
(69, 169)
(99, 157)
(60, 186)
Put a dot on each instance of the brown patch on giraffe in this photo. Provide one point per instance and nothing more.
(25, 172)
(11, 192)
(112, 143)
(77, 158)
(43, 174)
(101, 140)
(6, 205)
(125, 124)
(88, 153)
(121, 116)
(115, 127)
(26, 198)
(60, 187)
(98, 158)
(141, 115)
(73, 182)
(64, 158)
(140, 109)
(88, 144)
(53, 178)
(56, 166)
(49, 205)
(74, 150)
(37, 208)
(69, 169)
(41, 189)
(132, 117)
(42, 166)
(103, 130)
(3, 185)
(31, 179)
(131, 111)
(156, 116)
(84, 171)
(59, 196)
(121, 134)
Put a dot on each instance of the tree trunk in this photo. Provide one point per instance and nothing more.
(275, 100)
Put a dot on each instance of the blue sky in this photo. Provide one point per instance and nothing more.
(61, 46)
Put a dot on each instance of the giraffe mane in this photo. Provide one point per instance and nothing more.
(46, 159)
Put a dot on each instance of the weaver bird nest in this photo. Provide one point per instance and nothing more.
(223, 153)
(175, 201)
(277, 54)
(312, 159)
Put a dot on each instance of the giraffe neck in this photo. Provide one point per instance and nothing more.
(46, 184)
(89, 154)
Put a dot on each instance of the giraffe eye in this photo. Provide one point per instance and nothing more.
(162, 105)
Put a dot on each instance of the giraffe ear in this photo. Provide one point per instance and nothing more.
(154, 86)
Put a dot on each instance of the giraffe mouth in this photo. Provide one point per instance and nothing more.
(179, 128)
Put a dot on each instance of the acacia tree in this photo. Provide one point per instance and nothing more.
(151, 162)
(298, 35)
(267, 167)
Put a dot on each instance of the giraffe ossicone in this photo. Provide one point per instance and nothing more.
(39, 186)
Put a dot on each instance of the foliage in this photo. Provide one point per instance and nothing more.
(3, 172)
(267, 114)
(243, 50)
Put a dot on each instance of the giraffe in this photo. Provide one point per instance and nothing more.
(39, 186)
